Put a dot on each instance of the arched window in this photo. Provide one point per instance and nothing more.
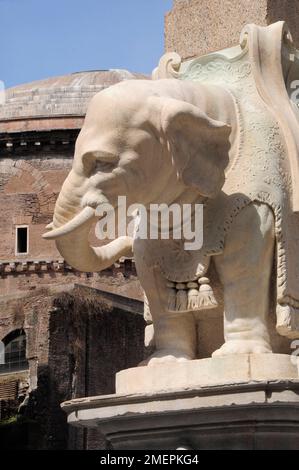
(15, 352)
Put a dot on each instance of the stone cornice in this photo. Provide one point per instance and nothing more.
(35, 142)
(15, 267)
(41, 123)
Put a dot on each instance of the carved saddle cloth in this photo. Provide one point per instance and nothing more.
(266, 165)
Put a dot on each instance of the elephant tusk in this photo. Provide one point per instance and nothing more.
(50, 226)
(80, 219)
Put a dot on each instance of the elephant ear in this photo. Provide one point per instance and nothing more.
(199, 145)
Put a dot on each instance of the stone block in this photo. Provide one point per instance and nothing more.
(198, 27)
(232, 369)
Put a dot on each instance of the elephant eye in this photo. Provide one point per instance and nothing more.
(104, 166)
(96, 161)
(88, 162)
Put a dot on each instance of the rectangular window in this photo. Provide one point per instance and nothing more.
(22, 240)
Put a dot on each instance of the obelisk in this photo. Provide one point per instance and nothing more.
(197, 27)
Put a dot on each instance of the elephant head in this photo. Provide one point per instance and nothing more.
(145, 140)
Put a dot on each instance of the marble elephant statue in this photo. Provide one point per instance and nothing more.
(170, 141)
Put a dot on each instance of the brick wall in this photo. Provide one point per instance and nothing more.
(88, 341)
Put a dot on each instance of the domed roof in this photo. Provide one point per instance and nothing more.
(57, 97)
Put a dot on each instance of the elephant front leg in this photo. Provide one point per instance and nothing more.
(174, 333)
(175, 338)
(245, 270)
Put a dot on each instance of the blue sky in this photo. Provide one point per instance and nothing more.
(44, 38)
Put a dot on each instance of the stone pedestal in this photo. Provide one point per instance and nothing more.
(236, 402)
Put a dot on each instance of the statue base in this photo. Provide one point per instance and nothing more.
(234, 402)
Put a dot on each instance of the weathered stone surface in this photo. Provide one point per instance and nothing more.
(228, 139)
(197, 27)
(238, 368)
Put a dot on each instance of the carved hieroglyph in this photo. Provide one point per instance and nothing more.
(219, 130)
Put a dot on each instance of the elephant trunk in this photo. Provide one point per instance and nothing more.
(71, 227)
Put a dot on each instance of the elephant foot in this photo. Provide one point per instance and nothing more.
(246, 346)
(164, 356)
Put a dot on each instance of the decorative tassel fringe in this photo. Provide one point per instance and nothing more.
(195, 295)
(206, 297)
(193, 299)
(171, 300)
(181, 298)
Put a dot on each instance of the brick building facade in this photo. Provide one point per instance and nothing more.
(42, 308)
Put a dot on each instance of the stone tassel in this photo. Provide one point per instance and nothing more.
(206, 294)
(181, 297)
(171, 296)
(193, 296)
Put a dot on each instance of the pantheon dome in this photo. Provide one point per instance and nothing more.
(57, 102)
